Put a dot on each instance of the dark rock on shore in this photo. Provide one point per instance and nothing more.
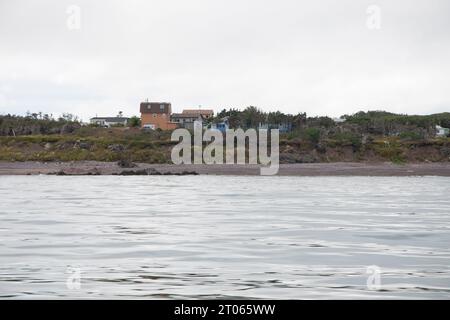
(125, 163)
(154, 172)
(94, 172)
(140, 172)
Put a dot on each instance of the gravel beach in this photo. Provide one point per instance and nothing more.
(298, 169)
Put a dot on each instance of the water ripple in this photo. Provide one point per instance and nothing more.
(192, 237)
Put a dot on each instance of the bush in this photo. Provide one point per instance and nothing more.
(391, 151)
(445, 151)
(312, 134)
(135, 121)
(410, 135)
(348, 138)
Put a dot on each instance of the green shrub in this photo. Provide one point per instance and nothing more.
(312, 135)
(391, 151)
(348, 139)
(135, 121)
(410, 135)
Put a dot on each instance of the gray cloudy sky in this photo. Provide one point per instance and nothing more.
(313, 56)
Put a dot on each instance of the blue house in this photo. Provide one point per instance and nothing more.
(222, 126)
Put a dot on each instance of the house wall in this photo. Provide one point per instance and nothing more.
(186, 122)
(188, 125)
(159, 120)
(98, 122)
(109, 124)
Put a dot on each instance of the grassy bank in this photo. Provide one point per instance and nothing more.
(113, 144)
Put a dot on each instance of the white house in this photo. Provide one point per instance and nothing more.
(186, 120)
(339, 120)
(109, 121)
(441, 131)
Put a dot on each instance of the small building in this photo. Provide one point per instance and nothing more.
(339, 120)
(222, 126)
(205, 113)
(282, 127)
(186, 120)
(156, 115)
(442, 132)
(109, 121)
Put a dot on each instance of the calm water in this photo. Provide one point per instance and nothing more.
(224, 237)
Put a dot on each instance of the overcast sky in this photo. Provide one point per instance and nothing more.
(321, 57)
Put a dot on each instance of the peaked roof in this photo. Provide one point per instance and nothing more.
(199, 111)
(186, 115)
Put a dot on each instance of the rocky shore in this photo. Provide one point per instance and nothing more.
(298, 169)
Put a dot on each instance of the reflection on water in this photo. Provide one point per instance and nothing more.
(224, 237)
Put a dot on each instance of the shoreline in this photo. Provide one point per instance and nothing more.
(298, 169)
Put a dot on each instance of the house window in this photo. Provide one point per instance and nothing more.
(161, 108)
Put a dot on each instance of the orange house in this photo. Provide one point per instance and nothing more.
(156, 115)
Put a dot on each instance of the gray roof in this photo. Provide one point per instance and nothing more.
(111, 119)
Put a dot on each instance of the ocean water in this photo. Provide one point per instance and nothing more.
(224, 237)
